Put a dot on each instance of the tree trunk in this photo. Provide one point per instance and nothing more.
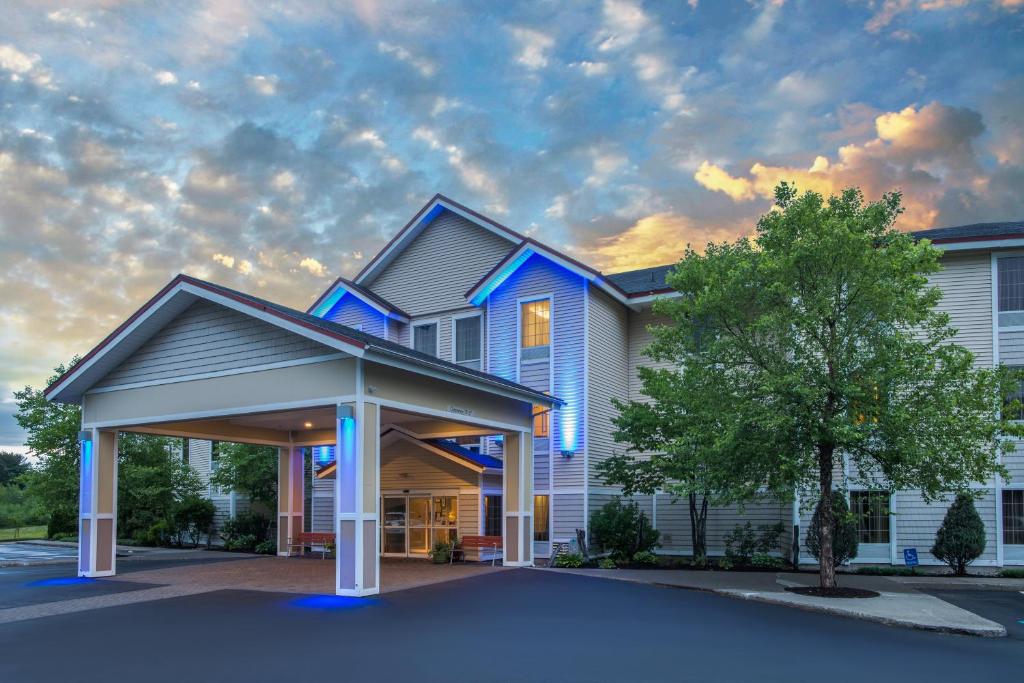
(698, 525)
(827, 571)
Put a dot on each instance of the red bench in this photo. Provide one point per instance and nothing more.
(478, 545)
(311, 538)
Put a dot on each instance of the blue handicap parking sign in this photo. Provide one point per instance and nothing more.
(910, 557)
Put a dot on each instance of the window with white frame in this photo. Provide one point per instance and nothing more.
(871, 509)
(424, 338)
(1013, 516)
(1013, 402)
(535, 329)
(541, 518)
(1010, 290)
(468, 341)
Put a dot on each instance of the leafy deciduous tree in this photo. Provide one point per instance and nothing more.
(248, 469)
(821, 339)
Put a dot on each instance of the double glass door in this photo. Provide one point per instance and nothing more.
(413, 523)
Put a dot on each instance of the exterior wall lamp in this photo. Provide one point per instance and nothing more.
(568, 454)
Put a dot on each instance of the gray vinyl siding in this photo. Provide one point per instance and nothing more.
(567, 515)
(437, 268)
(1014, 462)
(917, 522)
(322, 514)
(966, 284)
(199, 458)
(639, 338)
(535, 278)
(354, 313)
(207, 337)
(673, 521)
(608, 369)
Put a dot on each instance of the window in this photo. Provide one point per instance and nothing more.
(424, 338)
(1011, 283)
(1009, 411)
(184, 451)
(541, 518)
(872, 511)
(214, 456)
(467, 340)
(492, 515)
(541, 421)
(536, 323)
(1013, 516)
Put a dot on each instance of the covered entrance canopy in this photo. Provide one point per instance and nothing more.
(206, 362)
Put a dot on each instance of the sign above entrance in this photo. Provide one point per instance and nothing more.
(460, 411)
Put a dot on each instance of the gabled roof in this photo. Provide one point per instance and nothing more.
(521, 254)
(184, 290)
(418, 224)
(341, 287)
(478, 462)
(974, 232)
(643, 281)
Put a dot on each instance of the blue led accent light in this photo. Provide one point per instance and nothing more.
(331, 603)
(501, 276)
(323, 454)
(60, 581)
(330, 302)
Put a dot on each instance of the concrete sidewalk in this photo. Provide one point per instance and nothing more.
(899, 604)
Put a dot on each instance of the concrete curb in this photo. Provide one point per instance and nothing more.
(982, 631)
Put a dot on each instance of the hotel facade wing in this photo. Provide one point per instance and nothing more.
(462, 383)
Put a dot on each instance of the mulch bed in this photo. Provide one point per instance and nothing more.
(837, 592)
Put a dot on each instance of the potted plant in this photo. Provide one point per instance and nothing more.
(441, 552)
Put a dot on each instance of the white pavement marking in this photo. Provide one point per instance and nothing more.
(50, 609)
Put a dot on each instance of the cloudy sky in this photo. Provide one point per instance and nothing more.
(271, 146)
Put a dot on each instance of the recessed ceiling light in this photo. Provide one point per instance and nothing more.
(308, 425)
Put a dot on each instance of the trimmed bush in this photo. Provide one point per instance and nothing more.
(766, 561)
(266, 548)
(622, 530)
(193, 517)
(743, 543)
(961, 538)
(569, 561)
(645, 558)
(844, 531)
(1012, 573)
(607, 563)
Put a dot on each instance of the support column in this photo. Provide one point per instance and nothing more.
(517, 499)
(357, 489)
(97, 500)
(290, 499)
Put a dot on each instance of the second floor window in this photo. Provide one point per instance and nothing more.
(424, 338)
(536, 323)
(1011, 283)
(467, 342)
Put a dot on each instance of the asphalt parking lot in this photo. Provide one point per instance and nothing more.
(514, 625)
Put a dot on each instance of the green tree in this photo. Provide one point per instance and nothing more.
(152, 480)
(819, 339)
(961, 538)
(12, 466)
(52, 430)
(667, 447)
(248, 469)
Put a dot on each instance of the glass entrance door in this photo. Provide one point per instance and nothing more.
(394, 526)
(419, 525)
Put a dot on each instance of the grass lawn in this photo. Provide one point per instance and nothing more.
(23, 534)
